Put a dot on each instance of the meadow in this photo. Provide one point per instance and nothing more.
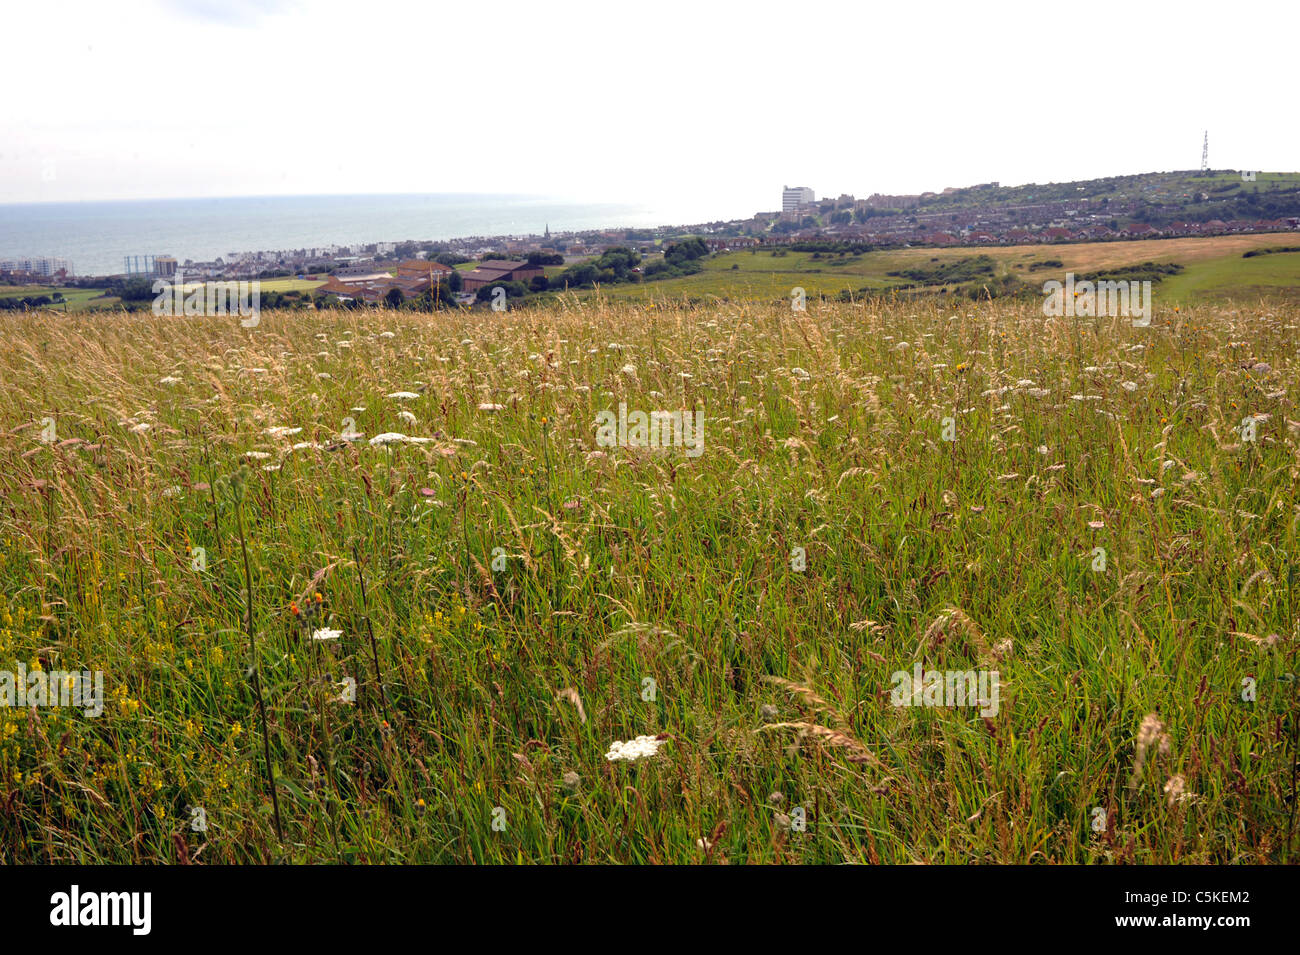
(76, 299)
(364, 587)
(1214, 269)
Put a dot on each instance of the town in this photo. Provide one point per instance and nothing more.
(1149, 206)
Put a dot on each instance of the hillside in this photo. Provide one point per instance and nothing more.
(1213, 268)
(1159, 197)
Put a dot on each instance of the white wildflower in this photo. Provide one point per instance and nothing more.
(634, 749)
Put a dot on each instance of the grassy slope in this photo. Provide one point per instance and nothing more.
(77, 299)
(1214, 266)
(90, 299)
(628, 565)
(1232, 275)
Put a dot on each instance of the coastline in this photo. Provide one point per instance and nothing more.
(96, 237)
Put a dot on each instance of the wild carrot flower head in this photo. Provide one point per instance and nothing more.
(642, 747)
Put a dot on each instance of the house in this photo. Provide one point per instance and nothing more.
(424, 269)
(494, 271)
(333, 286)
(375, 288)
(735, 242)
(377, 292)
(366, 270)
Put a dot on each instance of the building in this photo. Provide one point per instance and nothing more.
(795, 198)
(494, 271)
(141, 266)
(360, 274)
(423, 269)
(45, 267)
(727, 245)
(333, 286)
(377, 292)
(375, 289)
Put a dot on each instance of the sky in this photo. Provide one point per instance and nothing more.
(695, 105)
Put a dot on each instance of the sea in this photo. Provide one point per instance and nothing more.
(95, 237)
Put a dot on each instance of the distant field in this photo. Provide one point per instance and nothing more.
(290, 285)
(1214, 267)
(274, 285)
(81, 300)
(77, 299)
(1233, 275)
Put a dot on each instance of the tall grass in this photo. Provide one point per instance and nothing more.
(623, 566)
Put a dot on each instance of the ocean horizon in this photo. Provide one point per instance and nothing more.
(96, 236)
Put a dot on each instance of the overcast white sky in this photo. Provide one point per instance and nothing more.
(701, 104)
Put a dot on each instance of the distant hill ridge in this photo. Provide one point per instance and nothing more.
(1157, 203)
